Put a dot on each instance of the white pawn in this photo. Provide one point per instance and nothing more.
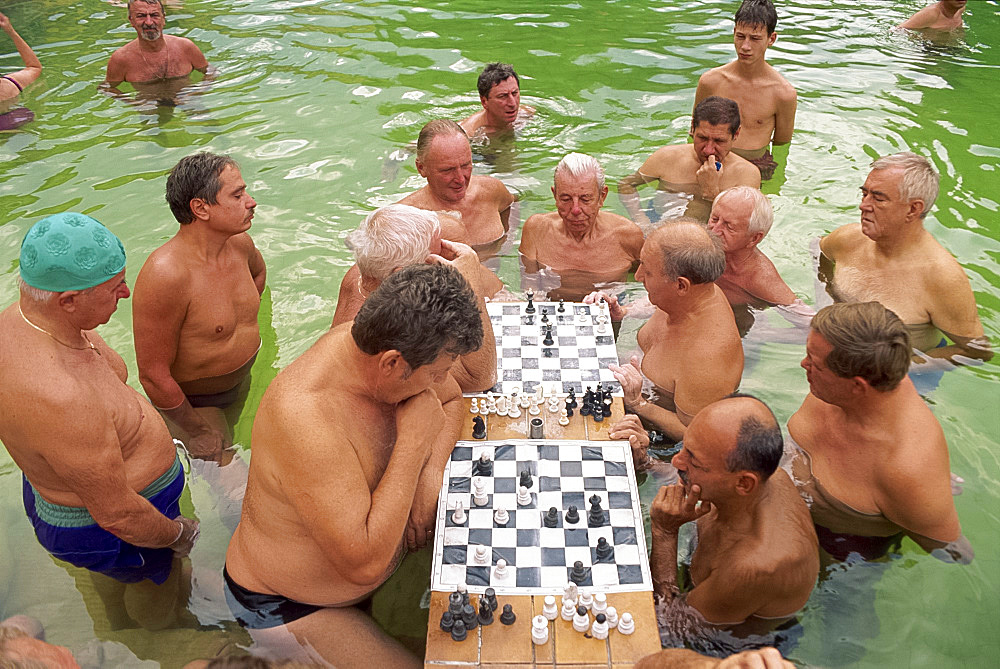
(523, 496)
(600, 604)
(583, 318)
(481, 556)
(564, 417)
(479, 496)
(599, 630)
(612, 614)
(534, 410)
(500, 571)
(581, 622)
(571, 591)
(484, 406)
(549, 609)
(601, 328)
(513, 411)
(458, 517)
(475, 406)
(525, 401)
(491, 404)
(501, 516)
(539, 630)
(568, 609)
(626, 624)
(586, 600)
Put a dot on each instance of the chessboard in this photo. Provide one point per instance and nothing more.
(577, 353)
(536, 552)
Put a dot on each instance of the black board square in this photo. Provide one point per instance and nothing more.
(629, 573)
(509, 309)
(623, 536)
(511, 330)
(587, 581)
(586, 352)
(529, 341)
(550, 353)
(619, 500)
(576, 537)
(567, 341)
(576, 499)
(548, 452)
(570, 468)
(590, 375)
(512, 375)
(553, 557)
(504, 553)
(477, 576)
(615, 469)
(510, 353)
(460, 484)
(505, 452)
(480, 536)
(527, 537)
(569, 363)
(592, 453)
(455, 554)
(529, 363)
(595, 483)
(529, 577)
(461, 453)
(603, 340)
(505, 484)
(548, 483)
(551, 375)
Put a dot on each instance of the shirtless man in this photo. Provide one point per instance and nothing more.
(397, 236)
(767, 101)
(102, 479)
(500, 94)
(578, 238)
(757, 557)
(707, 167)
(942, 15)
(342, 442)
(444, 158)
(196, 303)
(152, 56)
(692, 351)
(864, 449)
(889, 257)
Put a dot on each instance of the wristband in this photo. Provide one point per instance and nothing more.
(179, 534)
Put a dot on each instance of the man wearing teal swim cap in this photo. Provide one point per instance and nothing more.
(101, 475)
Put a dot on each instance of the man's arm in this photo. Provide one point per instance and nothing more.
(784, 115)
(922, 19)
(629, 195)
(255, 262)
(529, 237)
(505, 202)
(768, 285)
(954, 312)
(669, 510)
(195, 56)
(117, 69)
(630, 378)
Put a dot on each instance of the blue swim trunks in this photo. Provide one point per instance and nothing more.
(70, 533)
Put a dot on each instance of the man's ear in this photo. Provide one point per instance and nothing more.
(390, 363)
(420, 168)
(683, 285)
(482, 101)
(747, 483)
(67, 300)
(199, 208)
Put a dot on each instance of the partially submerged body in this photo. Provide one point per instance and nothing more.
(942, 15)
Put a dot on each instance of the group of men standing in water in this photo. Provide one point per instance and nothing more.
(865, 460)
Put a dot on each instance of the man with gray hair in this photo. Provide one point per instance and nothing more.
(578, 237)
(891, 258)
(153, 56)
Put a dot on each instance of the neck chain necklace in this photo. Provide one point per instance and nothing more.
(364, 293)
(90, 344)
(165, 68)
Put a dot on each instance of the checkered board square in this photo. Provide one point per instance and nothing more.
(539, 558)
(578, 356)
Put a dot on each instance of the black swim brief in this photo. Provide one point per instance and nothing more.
(869, 548)
(218, 400)
(257, 611)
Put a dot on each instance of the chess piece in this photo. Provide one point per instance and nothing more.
(458, 631)
(545, 316)
(513, 411)
(571, 591)
(586, 600)
(549, 609)
(625, 624)
(475, 406)
(501, 406)
(596, 516)
(553, 404)
(482, 555)
(568, 609)
(525, 401)
(607, 406)
(500, 517)
(534, 410)
(599, 630)
(571, 399)
(484, 466)
(479, 496)
(548, 341)
(458, 517)
(469, 617)
(597, 412)
(583, 318)
(491, 404)
(485, 612)
(455, 604)
(530, 307)
(562, 306)
(564, 418)
(551, 518)
(463, 591)
(604, 550)
(478, 428)
(581, 621)
(447, 620)
(500, 571)
(572, 516)
(490, 595)
(507, 617)
(526, 479)
(536, 428)
(578, 574)
(523, 496)
(600, 604)
(539, 630)
(612, 614)
(484, 407)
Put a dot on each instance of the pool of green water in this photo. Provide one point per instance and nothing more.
(312, 97)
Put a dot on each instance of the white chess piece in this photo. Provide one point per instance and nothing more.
(549, 609)
(539, 630)
(581, 623)
(513, 411)
(600, 604)
(502, 406)
(564, 417)
(482, 555)
(479, 496)
(599, 630)
(571, 591)
(491, 404)
(484, 407)
(501, 516)
(553, 405)
(458, 517)
(625, 624)
(568, 609)
(583, 318)
(523, 496)
(586, 600)
(602, 328)
(525, 401)
(612, 614)
(534, 410)
(475, 406)
(500, 571)
(539, 394)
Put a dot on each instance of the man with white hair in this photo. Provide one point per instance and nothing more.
(578, 236)
(741, 217)
(399, 235)
(890, 258)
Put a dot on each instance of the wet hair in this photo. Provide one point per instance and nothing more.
(392, 237)
(493, 74)
(163, 9)
(868, 341)
(420, 311)
(195, 177)
(10, 658)
(920, 179)
(689, 250)
(757, 14)
(579, 165)
(440, 126)
(762, 213)
(716, 110)
(759, 444)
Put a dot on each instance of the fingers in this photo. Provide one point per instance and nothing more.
(634, 361)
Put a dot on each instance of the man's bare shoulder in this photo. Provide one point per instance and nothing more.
(539, 222)
(418, 199)
(166, 268)
(492, 188)
(474, 122)
(709, 81)
(842, 241)
(243, 242)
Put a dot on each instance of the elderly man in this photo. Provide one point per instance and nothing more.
(578, 237)
(399, 235)
(692, 354)
(196, 303)
(729, 463)
(889, 257)
(102, 479)
(765, 98)
(500, 94)
(152, 56)
(704, 168)
(942, 15)
(344, 439)
(864, 449)
(444, 158)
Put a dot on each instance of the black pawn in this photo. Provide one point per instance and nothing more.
(601, 618)
(525, 479)
(578, 574)
(485, 612)
(598, 413)
(545, 316)
(571, 400)
(585, 409)
(530, 308)
(458, 631)
(572, 516)
(469, 617)
(562, 307)
(604, 549)
(478, 428)
(455, 604)
(483, 466)
(569, 411)
(447, 620)
(507, 617)
(490, 595)
(552, 517)
(548, 341)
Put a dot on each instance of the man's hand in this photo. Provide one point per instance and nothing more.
(764, 658)
(709, 177)
(673, 506)
(463, 258)
(630, 376)
(189, 534)
(630, 427)
(615, 310)
(207, 444)
(420, 526)
(420, 415)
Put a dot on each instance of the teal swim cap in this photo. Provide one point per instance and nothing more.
(70, 251)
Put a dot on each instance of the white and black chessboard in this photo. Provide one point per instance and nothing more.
(539, 559)
(578, 357)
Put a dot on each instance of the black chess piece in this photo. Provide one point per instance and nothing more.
(569, 411)
(607, 407)
(469, 617)
(573, 515)
(585, 409)
(478, 428)
(483, 466)
(548, 341)
(455, 604)
(485, 612)
(525, 479)
(552, 517)
(447, 620)
(458, 631)
(604, 549)
(465, 598)
(545, 316)
(530, 308)
(596, 516)
(490, 595)
(507, 617)
(571, 400)
(601, 618)
(562, 306)
(598, 413)
(578, 574)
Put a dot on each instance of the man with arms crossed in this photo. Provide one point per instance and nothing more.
(500, 94)
(708, 165)
(101, 475)
(767, 101)
(444, 158)
(889, 257)
(757, 559)
(196, 303)
(864, 449)
(152, 56)
(341, 440)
